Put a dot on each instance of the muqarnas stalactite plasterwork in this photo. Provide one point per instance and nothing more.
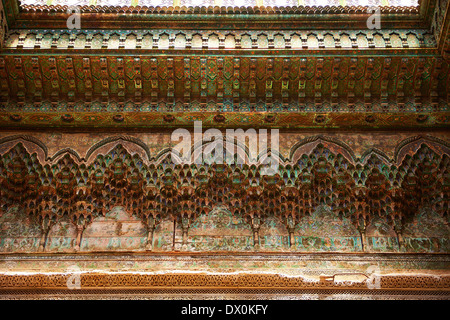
(123, 196)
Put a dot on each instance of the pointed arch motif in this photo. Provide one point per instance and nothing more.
(308, 144)
(409, 146)
(26, 138)
(116, 139)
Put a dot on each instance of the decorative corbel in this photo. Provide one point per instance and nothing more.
(361, 226)
(256, 225)
(290, 225)
(398, 228)
(151, 225)
(185, 224)
(47, 221)
(81, 223)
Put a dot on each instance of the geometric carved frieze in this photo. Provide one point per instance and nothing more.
(224, 273)
(245, 281)
(195, 40)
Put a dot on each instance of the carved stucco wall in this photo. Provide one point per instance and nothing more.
(323, 220)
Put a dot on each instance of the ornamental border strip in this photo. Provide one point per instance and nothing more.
(228, 106)
(299, 40)
(242, 10)
(168, 120)
(240, 281)
(234, 256)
